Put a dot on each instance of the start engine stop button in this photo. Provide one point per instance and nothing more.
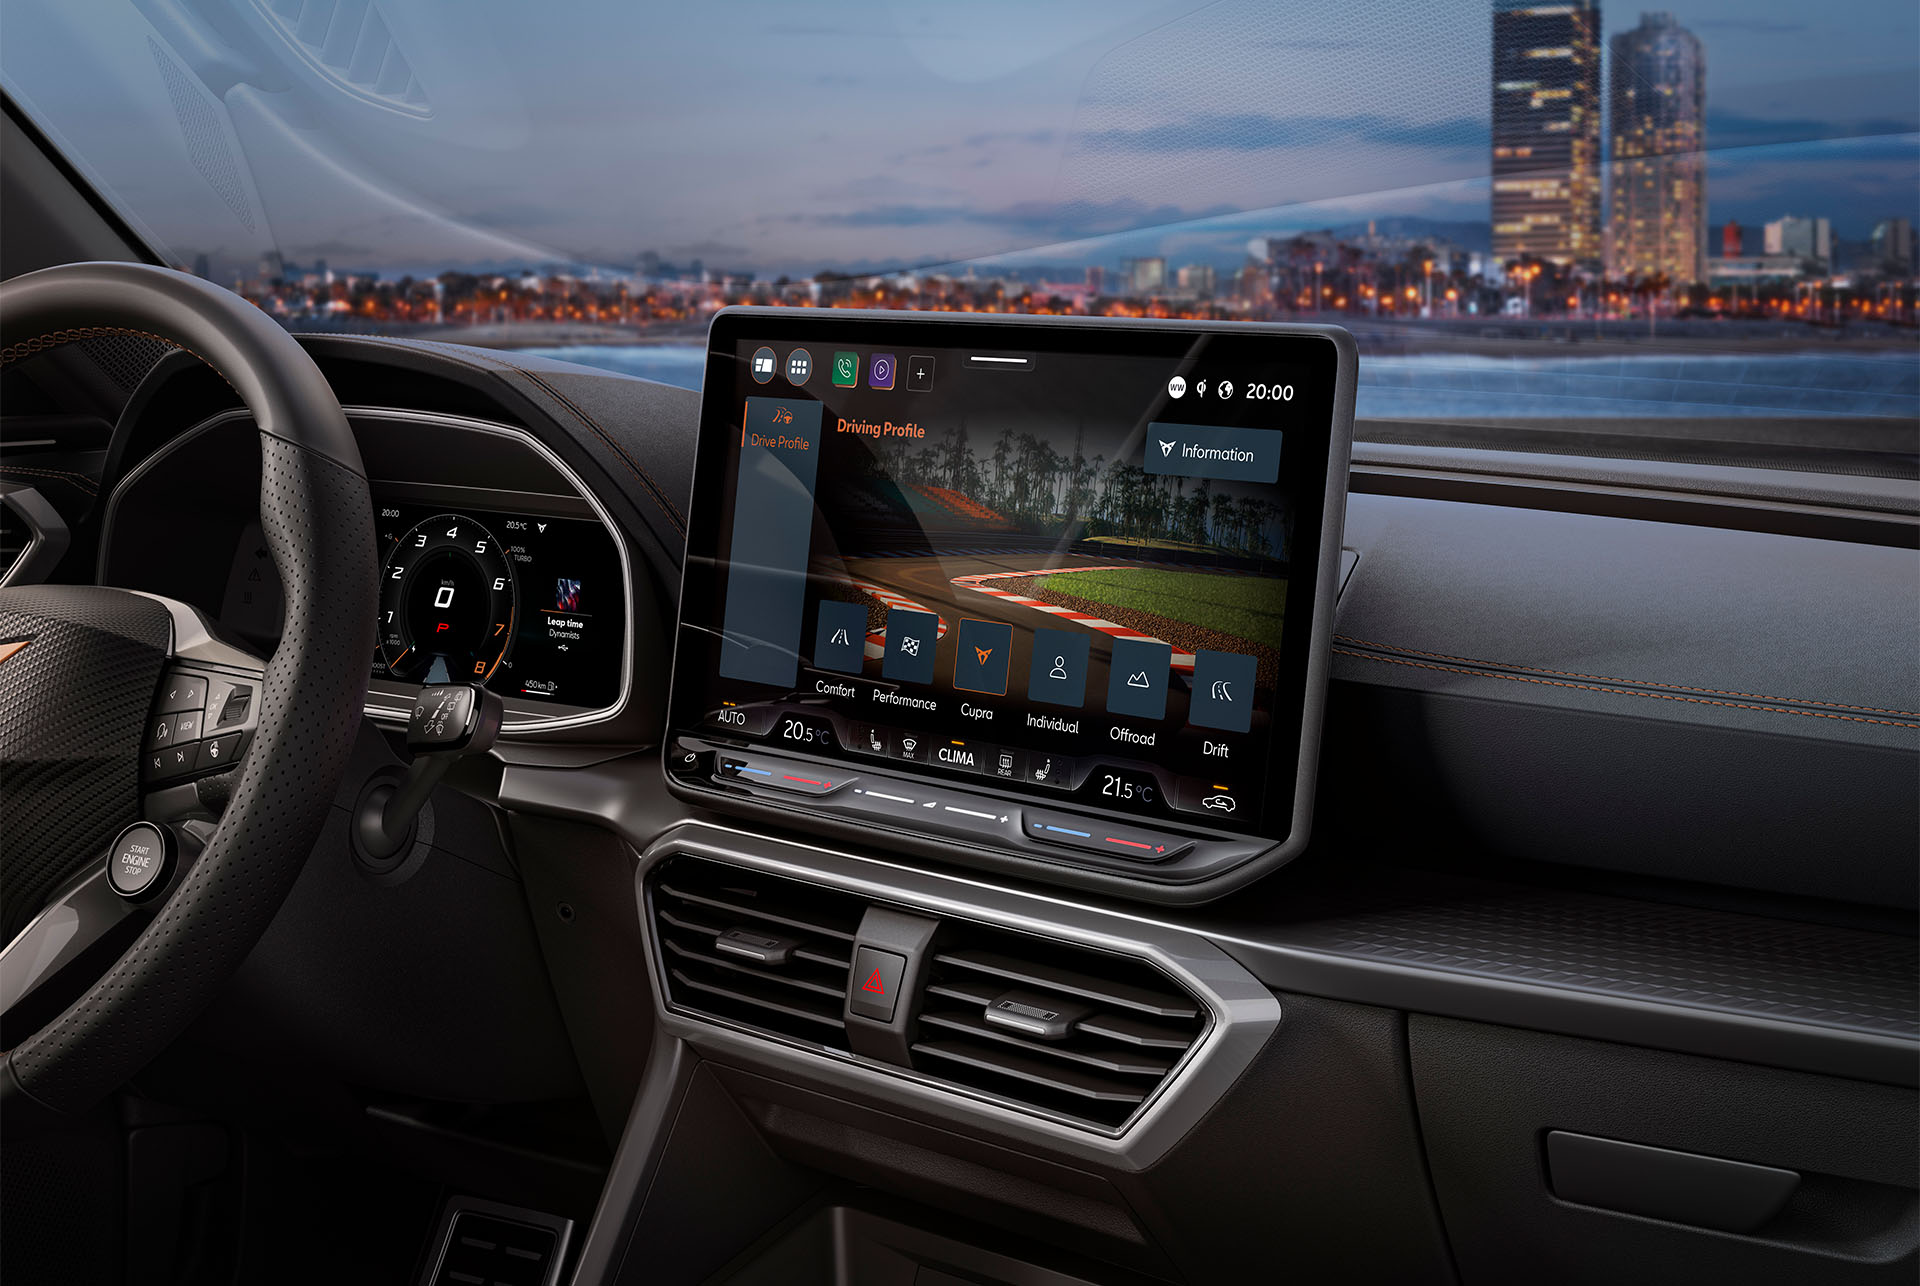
(139, 860)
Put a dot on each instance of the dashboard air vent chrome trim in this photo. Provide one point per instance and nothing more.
(1087, 1034)
(798, 991)
(1115, 1033)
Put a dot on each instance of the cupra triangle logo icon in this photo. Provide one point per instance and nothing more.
(874, 985)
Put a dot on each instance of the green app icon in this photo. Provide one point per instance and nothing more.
(846, 369)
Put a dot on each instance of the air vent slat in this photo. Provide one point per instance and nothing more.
(1124, 1062)
(791, 1008)
(1020, 1067)
(745, 906)
(1135, 1031)
(765, 975)
(692, 924)
(1048, 977)
(966, 991)
(679, 919)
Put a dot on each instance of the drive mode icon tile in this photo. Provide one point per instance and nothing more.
(1057, 672)
(980, 659)
(840, 638)
(1137, 680)
(911, 639)
(1222, 690)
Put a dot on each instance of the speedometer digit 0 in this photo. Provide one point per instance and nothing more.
(447, 603)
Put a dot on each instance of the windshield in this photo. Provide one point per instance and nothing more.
(1588, 226)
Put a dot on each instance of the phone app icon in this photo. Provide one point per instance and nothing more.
(846, 370)
(880, 371)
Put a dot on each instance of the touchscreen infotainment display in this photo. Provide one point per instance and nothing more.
(1074, 563)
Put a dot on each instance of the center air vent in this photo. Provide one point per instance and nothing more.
(758, 950)
(1069, 1030)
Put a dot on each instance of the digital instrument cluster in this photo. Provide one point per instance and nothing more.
(531, 605)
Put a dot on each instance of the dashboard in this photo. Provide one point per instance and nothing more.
(497, 566)
(1556, 830)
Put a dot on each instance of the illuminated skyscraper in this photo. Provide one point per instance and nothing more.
(1546, 130)
(1657, 189)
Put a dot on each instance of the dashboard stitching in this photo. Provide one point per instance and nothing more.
(654, 492)
(1602, 678)
(80, 480)
(1623, 692)
(55, 338)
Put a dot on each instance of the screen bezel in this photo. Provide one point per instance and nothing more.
(1292, 762)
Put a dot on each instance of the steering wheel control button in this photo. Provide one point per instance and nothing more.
(217, 753)
(173, 761)
(139, 860)
(182, 691)
(875, 986)
(228, 705)
(1091, 836)
(160, 732)
(186, 726)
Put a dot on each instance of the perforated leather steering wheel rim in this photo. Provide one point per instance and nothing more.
(317, 520)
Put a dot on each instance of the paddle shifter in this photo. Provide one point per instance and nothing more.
(449, 720)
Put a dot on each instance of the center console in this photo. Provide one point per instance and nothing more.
(1023, 593)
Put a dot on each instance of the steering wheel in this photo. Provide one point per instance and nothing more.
(90, 677)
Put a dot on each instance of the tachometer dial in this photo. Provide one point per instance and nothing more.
(447, 603)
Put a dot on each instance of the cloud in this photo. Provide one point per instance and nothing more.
(1026, 218)
(333, 248)
(1737, 129)
(1751, 26)
(515, 215)
(1260, 132)
(979, 142)
(1307, 46)
(706, 249)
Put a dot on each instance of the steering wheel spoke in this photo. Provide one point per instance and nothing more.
(204, 714)
(96, 682)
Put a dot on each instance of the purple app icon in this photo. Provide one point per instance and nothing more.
(880, 371)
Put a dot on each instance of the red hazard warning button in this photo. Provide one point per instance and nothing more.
(875, 983)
